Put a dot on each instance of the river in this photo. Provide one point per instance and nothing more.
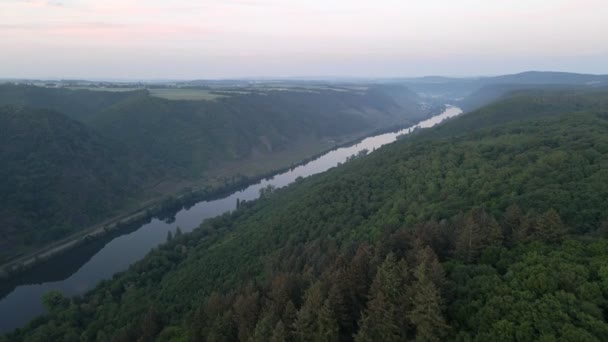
(79, 270)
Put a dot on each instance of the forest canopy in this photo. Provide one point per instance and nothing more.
(497, 232)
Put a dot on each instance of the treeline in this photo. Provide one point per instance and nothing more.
(498, 233)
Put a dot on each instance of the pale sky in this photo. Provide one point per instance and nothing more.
(187, 39)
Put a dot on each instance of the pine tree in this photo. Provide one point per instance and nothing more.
(512, 223)
(169, 236)
(246, 310)
(279, 334)
(603, 229)
(327, 325)
(305, 323)
(385, 319)
(263, 329)
(290, 314)
(359, 279)
(151, 325)
(426, 312)
(427, 258)
(316, 321)
(340, 301)
(478, 231)
(550, 228)
(222, 329)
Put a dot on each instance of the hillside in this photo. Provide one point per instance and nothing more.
(518, 104)
(475, 92)
(191, 135)
(496, 233)
(548, 77)
(184, 137)
(56, 174)
(77, 104)
(109, 152)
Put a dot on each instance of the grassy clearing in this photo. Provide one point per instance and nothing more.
(184, 94)
(166, 93)
(116, 89)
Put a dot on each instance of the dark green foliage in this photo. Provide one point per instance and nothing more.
(492, 234)
(78, 104)
(426, 313)
(385, 317)
(60, 174)
(56, 174)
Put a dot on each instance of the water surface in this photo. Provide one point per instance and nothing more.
(80, 269)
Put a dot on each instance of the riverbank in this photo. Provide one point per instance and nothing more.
(165, 208)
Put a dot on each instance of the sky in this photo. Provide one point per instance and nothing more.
(188, 39)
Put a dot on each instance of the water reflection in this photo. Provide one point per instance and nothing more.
(79, 270)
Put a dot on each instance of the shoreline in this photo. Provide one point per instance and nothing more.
(168, 206)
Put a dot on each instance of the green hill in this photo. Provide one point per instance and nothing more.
(475, 92)
(77, 104)
(184, 137)
(56, 174)
(112, 151)
(495, 233)
(191, 135)
(518, 104)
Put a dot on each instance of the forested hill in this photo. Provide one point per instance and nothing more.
(56, 174)
(497, 233)
(191, 135)
(74, 158)
(183, 137)
(528, 104)
(78, 104)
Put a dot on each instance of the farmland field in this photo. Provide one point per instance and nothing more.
(184, 94)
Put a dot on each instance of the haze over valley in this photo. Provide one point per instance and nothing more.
(304, 171)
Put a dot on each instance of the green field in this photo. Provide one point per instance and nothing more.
(112, 89)
(165, 93)
(184, 94)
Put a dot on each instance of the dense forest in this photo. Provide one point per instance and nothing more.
(72, 158)
(56, 173)
(499, 232)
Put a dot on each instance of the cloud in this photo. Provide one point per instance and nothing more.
(50, 27)
(40, 3)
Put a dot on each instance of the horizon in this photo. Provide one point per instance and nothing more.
(253, 39)
(287, 78)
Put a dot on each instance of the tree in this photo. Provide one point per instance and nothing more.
(341, 303)
(151, 325)
(316, 321)
(267, 190)
(54, 301)
(264, 328)
(426, 258)
(426, 313)
(603, 229)
(222, 329)
(279, 334)
(246, 309)
(305, 324)
(512, 224)
(169, 236)
(549, 227)
(478, 231)
(359, 279)
(327, 325)
(385, 319)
